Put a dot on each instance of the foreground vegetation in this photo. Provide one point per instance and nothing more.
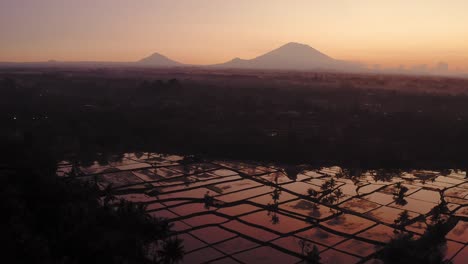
(66, 221)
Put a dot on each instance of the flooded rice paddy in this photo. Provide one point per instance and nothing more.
(238, 212)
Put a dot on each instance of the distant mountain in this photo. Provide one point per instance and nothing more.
(159, 60)
(293, 56)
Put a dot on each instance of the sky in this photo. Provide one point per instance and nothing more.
(375, 32)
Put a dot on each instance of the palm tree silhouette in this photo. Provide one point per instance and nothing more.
(172, 251)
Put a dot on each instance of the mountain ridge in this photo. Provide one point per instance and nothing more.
(290, 56)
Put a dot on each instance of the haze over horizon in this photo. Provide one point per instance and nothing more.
(386, 35)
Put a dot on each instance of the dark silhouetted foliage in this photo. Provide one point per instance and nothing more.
(63, 220)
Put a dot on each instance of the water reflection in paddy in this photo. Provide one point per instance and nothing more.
(231, 212)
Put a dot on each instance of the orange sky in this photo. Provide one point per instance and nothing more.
(389, 33)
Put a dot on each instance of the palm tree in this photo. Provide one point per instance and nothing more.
(399, 194)
(108, 194)
(402, 219)
(313, 256)
(172, 251)
(209, 200)
(338, 193)
(310, 256)
(273, 207)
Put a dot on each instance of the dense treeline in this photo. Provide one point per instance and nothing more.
(235, 116)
